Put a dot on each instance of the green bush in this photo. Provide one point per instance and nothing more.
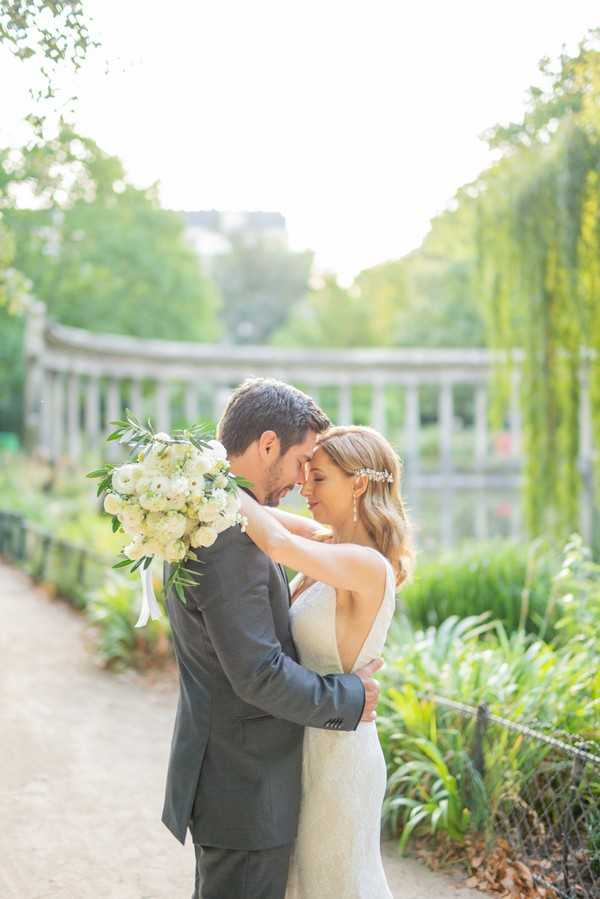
(433, 784)
(113, 610)
(512, 581)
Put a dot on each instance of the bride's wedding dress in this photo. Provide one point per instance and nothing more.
(337, 851)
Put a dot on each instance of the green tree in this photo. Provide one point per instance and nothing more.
(260, 281)
(101, 253)
(539, 273)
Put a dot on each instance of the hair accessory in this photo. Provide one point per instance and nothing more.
(376, 475)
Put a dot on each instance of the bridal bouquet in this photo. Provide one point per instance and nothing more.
(175, 494)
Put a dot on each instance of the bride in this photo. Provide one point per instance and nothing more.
(342, 603)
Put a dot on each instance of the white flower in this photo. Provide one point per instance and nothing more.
(219, 496)
(153, 502)
(131, 517)
(208, 510)
(180, 486)
(218, 449)
(221, 480)
(174, 552)
(124, 478)
(165, 527)
(203, 536)
(199, 463)
(233, 504)
(136, 549)
(113, 504)
(162, 436)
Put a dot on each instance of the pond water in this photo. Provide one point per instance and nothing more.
(444, 518)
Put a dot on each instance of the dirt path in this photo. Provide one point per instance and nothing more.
(83, 760)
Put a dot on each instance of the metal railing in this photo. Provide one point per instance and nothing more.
(72, 568)
(548, 807)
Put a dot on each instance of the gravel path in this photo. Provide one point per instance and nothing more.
(84, 755)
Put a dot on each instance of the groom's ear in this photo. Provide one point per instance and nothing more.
(269, 445)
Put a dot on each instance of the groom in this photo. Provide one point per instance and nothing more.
(236, 753)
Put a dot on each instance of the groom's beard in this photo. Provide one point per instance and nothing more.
(274, 488)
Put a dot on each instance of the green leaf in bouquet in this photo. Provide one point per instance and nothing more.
(122, 563)
(180, 593)
(148, 562)
(139, 562)
(98, 473)
(116, 524)
(241, 481)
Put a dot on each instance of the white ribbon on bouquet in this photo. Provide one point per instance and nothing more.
(149, 607)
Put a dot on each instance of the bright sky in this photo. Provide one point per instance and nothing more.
(356, 120)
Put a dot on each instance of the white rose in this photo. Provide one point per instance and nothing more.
(153, 548)
(179, 485)
(125, 478)
(199, 463)
(136, 549)
(203, 536)
(221, 480)
(219, 496)
(153, 502)
(113, 504)
(221, 523)
(218, 449)
(131, 517)
(233, 504)
(174, 552)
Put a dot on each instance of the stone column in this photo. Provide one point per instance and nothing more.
(58, 416)
(480, 426)
(445, 416)
(344, 404)
(73, 426)
(92, 414)
(221, 395)
(113, 412)
(412, 426)
(34, 411)
(136, 399)
(191, 403)
(586, 450)
(378, 406)
(163, 409)
(45, 439)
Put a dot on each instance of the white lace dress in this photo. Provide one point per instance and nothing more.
(337, 851)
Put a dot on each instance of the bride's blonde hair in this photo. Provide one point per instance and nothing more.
(380, 508)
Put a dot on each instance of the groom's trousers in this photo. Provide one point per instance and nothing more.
(241, 874)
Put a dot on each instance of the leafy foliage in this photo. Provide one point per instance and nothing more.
(48, 33)
(260, 281)
(539, 273)
(511, 581)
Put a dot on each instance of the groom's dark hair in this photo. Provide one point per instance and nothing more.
(265, 404)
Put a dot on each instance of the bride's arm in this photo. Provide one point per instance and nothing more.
(344, 565)
(297, 524)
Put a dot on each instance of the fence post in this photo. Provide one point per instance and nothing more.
(480, 728)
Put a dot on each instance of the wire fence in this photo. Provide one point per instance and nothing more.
(547, 806)
(74, 570)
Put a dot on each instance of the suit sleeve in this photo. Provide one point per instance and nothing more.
(233, 598)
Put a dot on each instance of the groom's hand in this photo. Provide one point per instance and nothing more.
(371, 688)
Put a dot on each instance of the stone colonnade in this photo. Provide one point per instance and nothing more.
(79, 381)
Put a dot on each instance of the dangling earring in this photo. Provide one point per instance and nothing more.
(354, 511)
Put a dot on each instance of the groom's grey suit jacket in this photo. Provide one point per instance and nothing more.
(236, 752)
